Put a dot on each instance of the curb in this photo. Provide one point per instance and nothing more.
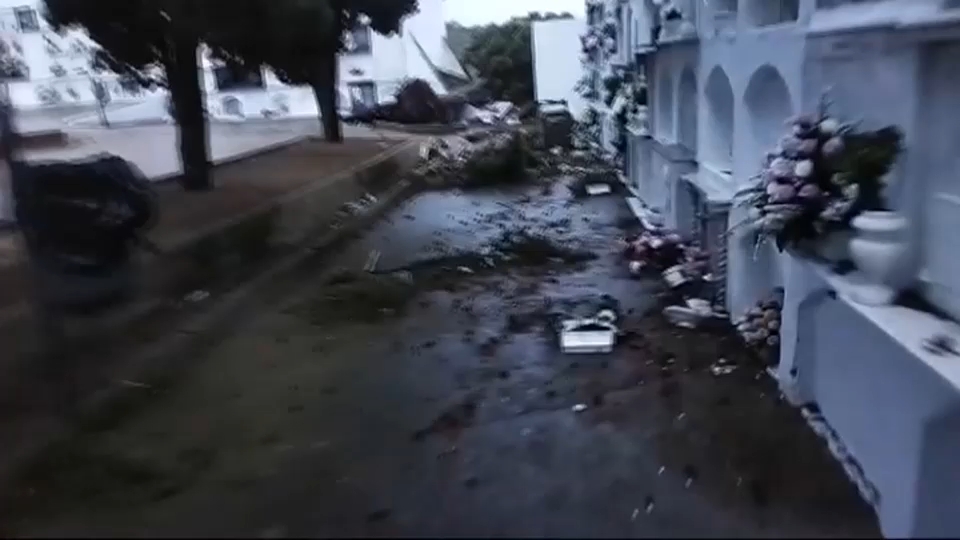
(248, 154)
(286, 197)
(13, 311)
(166, 358)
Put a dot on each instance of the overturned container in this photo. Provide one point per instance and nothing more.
(556, 123)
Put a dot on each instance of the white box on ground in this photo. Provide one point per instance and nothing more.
(598, 189)
(586, 336)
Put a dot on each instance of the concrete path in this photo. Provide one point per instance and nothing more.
(450, 414)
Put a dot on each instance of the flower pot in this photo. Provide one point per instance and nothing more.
(878, 248)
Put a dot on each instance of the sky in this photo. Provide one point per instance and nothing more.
(471, 12)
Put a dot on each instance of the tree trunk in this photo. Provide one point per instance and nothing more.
(186, 94)
(325, 91)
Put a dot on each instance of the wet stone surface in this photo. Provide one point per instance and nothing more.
(431, 399)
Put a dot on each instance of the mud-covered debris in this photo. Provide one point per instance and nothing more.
(357, 296)
(531, 249)
(596, 179)
(502, 157)
(720, 371)
(197, 296)
(370, 264)
(453, 420)
(135, 384)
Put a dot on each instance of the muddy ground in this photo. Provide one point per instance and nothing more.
(441, 405)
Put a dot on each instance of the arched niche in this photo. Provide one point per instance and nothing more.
(665, 105)
(687, 110)
(718, 138)
(768, 104)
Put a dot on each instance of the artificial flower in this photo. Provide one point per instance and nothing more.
(803, 169)
(809, 191)
(781, 167)
(833, 146)
(829, 126)
(780, 192)
(807, 147)
(789, 145)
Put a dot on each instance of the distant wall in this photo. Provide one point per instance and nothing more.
(556, 61)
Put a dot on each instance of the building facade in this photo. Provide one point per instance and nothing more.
(724, 76)
(43, 68)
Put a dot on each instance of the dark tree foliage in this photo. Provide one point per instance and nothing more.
(308, 36)
(502, 55)
(139, 36)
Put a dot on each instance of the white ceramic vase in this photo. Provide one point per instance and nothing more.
(878, 248)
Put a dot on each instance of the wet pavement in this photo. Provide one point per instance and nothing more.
(444, 407)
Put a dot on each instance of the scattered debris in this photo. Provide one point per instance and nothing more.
(372, 259)
(695, 313)
(719, 370)
(760, 326)
(134, 384)
(648, 504)
(941, 345)
(579, 407)
(854, 471)
(197, 296)
(357, 296)
(452, 421)
(502, 157)
(633, 516)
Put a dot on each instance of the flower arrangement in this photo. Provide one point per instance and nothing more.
(695, 264)
(821, 175)
(654, 251)
(629, 107)
(590, 44)
(586, 87)
(609, 33)
(587, 132)
(612, 84)
(668, 10)
(760, 325)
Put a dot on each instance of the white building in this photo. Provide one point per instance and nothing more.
(724, 76)
(48, 69)
(553, 79)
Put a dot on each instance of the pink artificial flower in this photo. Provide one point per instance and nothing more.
(803, 169)
(767, 176)
(780, 192)
(833, 146)
(807, 147)
(781, 167)
(790, 144)
(809, 191)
